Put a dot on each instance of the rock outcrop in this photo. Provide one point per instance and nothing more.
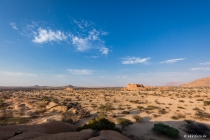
(203, 82)
(135, 87)
(54, 131)
(52, 127)
(110, 135)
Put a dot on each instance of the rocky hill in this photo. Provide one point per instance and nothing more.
(198, 83)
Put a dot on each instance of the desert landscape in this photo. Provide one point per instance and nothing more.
(82, 113)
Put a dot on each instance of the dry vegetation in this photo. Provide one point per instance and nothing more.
(142, 108)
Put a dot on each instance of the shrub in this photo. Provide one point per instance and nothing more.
(125, 112)
(202, 114)
(137, 118)
(162, 111)
(106, 107)
(140, 107)
(151, 107)
(166, 130)
(178, 116)
(197, 128)
(206, 103)
(182, 101)
(124, 123)
(99, 124)
(180, 107)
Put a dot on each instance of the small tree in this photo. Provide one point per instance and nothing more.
(106, 107)
(140, 108)
(166, 130)
(137, 118)
(124, 122)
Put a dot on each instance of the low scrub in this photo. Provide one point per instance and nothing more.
(166, 130)
(14, 120)
(197, 128)
(124, 123)
(202, 114)
(99, 124)
(138, 118)
(206, 103)
(151, 107)
(178, 116)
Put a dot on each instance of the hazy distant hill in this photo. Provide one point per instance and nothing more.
(174, 84)
(198, 83)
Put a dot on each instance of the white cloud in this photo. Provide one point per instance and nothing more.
(134, 60)
(82, 44)
(172, 60)
(44, 36)
(17, 74)
(88, 37)
(201, 69)
(104, 50)
(205, 63)
(81, 71)
(13, 24)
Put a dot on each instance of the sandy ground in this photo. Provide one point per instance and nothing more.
(177, 100)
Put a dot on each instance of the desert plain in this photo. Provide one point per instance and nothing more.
(57, 113)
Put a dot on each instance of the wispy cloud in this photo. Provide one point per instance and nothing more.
(44, 35)
(84, 37)
(81, 71)
(205, 63)
(104, 50)
(172, 60)
(134, 60)
(83, 24)
(201, 69)
(17, 74)
(90, 41)
(13, 24)
(93, 56)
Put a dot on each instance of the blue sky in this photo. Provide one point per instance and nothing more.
(103, 43)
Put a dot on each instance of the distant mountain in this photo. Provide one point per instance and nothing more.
(174, 84)
(198, 83)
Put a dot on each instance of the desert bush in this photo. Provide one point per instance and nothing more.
(182, 101)
(94, 106)
(197, 128)
(125, 112)
(46, 98)
(166, 130)
(106, 107)
(151, 107)
(178, 116)
(124, 123)
(162, 111)
(155, 115)
(137, 118)
(206, 103)
(202, 114)
(14, 120)
(140, 108)
(180, 107)
(99, 124)
(199, 100)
